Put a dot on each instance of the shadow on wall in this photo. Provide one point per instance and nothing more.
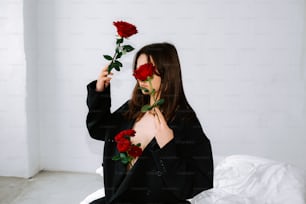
(39, 68)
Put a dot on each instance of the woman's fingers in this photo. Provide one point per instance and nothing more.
(159, 117)
(163, 133)
(104, 72)
(104, 79)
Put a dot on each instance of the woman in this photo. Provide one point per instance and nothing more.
(176, 163)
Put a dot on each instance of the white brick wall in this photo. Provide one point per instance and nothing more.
(241, 62)
(241, 66)
(15, 156)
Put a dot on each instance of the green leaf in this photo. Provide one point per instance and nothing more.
(117, 63)
(129, 158)
(146, 108)
(110, 67)
(117, 68)
(144, 89)
(126, 159)
(119, 55)
(116, 157)
(122, 155)
(127, 48)
(160, 102)
(107, 57)
(138, 144)
(119, 41)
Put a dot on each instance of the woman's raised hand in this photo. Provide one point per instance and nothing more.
(103, 80)
(164, 133)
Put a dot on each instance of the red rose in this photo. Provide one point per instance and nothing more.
(123, 145)
(144, 71)
(125, 29)
(135, 151)
(129, 132)
(127, 150)
(124, 133)
(119, 136)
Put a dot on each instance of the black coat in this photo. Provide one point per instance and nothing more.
(172, 174)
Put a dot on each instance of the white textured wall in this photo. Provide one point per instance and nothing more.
(32, 103)
(241, 64)
(243, 67)
(15, 143)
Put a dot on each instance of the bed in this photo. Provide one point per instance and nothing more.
(245, 179)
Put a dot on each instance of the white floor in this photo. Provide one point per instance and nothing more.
(49, 188)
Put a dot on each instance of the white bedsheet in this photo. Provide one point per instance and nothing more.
(243, 179)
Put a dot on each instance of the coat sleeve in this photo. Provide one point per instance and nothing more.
(186, 162)
(100, 121)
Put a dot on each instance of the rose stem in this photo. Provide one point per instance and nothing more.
(115, 55)
(155, 98)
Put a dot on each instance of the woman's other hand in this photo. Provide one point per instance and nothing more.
(164, 134)
(103, 80)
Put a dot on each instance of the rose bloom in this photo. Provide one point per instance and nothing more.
(135, 151)
(129, 132)
(125, 29)
(123, 133)
(123, 145)
(144, 71)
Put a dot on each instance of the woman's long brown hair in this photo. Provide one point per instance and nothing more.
(166, 60)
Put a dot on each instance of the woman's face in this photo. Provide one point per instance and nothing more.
(156, 81)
